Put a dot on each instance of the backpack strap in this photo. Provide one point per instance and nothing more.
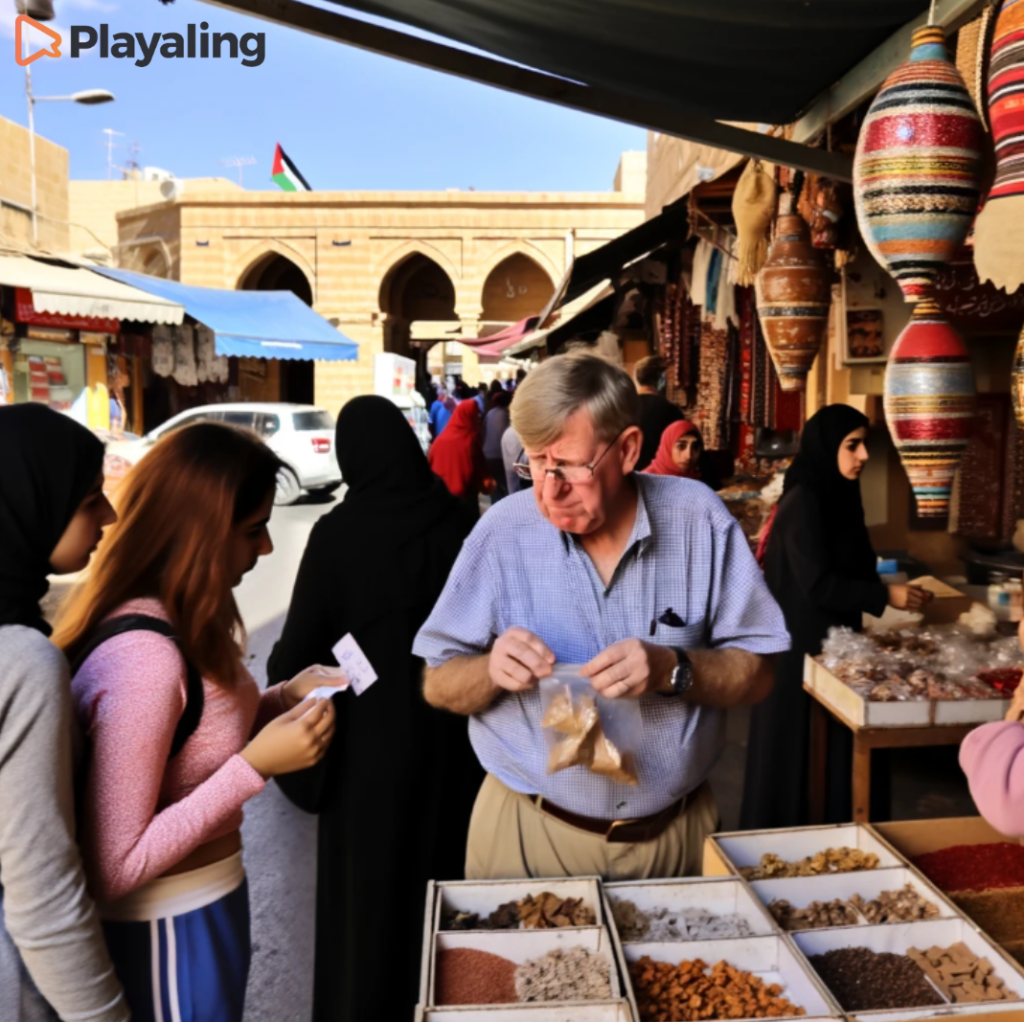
(194, 697)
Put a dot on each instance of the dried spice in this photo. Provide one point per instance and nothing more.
(832, 860)
(585, 743)
(903, 906)
(690, 991)
(535, 912)
(864, 980)
(572, 974)
(548, 911)
(960, 974)
(468, 976)
(974, 867)
(661, 925)
(815, 916)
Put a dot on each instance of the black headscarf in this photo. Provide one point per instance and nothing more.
(48, 464)
(816, 467)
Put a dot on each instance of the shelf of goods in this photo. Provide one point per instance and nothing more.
(508, 944)
(932, 955)
(851, 705)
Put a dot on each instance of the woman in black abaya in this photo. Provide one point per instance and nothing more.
(395, 791)
(821, 568)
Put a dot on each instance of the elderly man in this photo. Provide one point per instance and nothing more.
(645, 580)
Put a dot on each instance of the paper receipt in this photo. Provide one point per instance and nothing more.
(353, 662)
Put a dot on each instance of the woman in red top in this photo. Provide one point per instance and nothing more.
(679, 452)
(457, 456)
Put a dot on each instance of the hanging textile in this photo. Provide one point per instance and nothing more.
(185, 372)
(699, 275)
(980, 496)
(712, 386)
(163, 350)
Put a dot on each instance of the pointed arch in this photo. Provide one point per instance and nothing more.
(387, 265)
(261, 253)
(527, 248)
(517, 287)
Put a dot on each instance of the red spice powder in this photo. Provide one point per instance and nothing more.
(468, 976)
(974, 867)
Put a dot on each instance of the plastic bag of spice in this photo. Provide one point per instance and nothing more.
(585, 729)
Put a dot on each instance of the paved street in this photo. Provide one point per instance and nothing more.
(280, 841)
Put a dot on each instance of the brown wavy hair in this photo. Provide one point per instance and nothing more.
(176, 510)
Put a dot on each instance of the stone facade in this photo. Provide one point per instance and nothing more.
(16, 190)
(388, 268)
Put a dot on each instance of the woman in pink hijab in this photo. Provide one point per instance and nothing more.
(679, 452)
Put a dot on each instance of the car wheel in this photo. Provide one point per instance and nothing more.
(288, 490)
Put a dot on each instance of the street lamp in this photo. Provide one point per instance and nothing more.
(87, 97)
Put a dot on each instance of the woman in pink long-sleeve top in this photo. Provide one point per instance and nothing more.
(180, 735)
(992, 757)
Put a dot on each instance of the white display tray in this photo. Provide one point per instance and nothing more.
(569, 1011)
(770, 958)
(723, 896)
(487, 895)
(484, 896)
(745, 848)
(910, 713)
(897, 938)
(520, 946)
(869, 884)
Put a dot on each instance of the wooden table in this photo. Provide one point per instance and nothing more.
(865, 739)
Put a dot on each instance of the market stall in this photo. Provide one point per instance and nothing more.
(838, 922)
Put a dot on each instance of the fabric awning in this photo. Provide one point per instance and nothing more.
(68, 290)
(260, 324)
(592, 310)
(595, 267)
(743, 60)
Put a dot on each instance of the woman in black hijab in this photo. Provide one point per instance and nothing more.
(396, 789)
(52, 515)
(821, 568)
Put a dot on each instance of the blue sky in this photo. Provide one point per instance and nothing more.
(348, 119)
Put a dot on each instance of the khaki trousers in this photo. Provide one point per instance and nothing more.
(510, 838)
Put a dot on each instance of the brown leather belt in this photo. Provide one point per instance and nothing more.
(645, 828)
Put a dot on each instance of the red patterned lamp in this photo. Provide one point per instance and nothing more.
(929, 405)
(917, 172)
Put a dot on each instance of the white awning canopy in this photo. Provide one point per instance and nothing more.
(72, 291)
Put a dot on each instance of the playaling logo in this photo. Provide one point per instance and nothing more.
(250, 49)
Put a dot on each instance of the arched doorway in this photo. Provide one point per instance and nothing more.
(417, 289)
(274, 272)
(516, 288)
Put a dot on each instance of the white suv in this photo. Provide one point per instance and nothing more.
(302, 436)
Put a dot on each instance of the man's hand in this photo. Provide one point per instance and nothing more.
(906, 597)
(631, 668)
(518, 660)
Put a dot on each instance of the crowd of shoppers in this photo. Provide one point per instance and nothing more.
(632, 568)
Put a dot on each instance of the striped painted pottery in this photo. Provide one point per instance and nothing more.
(794, 294)
(917, 172)
(1017, 381)
(998, 254)
(929, 405)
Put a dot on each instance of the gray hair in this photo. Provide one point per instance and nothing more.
(564, 384)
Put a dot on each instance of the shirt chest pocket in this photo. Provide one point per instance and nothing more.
(671, 631)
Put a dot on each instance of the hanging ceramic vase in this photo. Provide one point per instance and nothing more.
(1017, 381)
(929, 405)
(794, 294)
(917, 172)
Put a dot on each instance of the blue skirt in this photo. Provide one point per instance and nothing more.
(187, 967)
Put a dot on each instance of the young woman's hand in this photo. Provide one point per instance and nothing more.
(296, 740)
(310, 680)
(904, 597)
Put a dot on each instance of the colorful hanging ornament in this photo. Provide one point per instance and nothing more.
(917, 172)
(1017, 381)
(929, 405)
(794, 294)
(998, 254)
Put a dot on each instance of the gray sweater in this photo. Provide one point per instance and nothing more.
(47, 914)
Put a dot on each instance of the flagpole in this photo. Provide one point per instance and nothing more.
(31, 134)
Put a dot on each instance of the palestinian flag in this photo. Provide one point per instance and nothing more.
(286, 174)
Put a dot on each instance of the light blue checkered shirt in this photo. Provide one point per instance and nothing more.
(686, 552)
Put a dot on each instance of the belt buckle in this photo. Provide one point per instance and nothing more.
(615, 824)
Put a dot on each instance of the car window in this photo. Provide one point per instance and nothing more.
(246, 419)
(267, 424)
(190, 420)
(306, 422)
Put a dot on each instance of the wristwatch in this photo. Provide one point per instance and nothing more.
(682, 674)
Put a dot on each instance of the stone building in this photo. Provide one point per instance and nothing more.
(16, 190)
(392, 270)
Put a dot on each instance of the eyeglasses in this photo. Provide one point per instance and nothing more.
(571, 474)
